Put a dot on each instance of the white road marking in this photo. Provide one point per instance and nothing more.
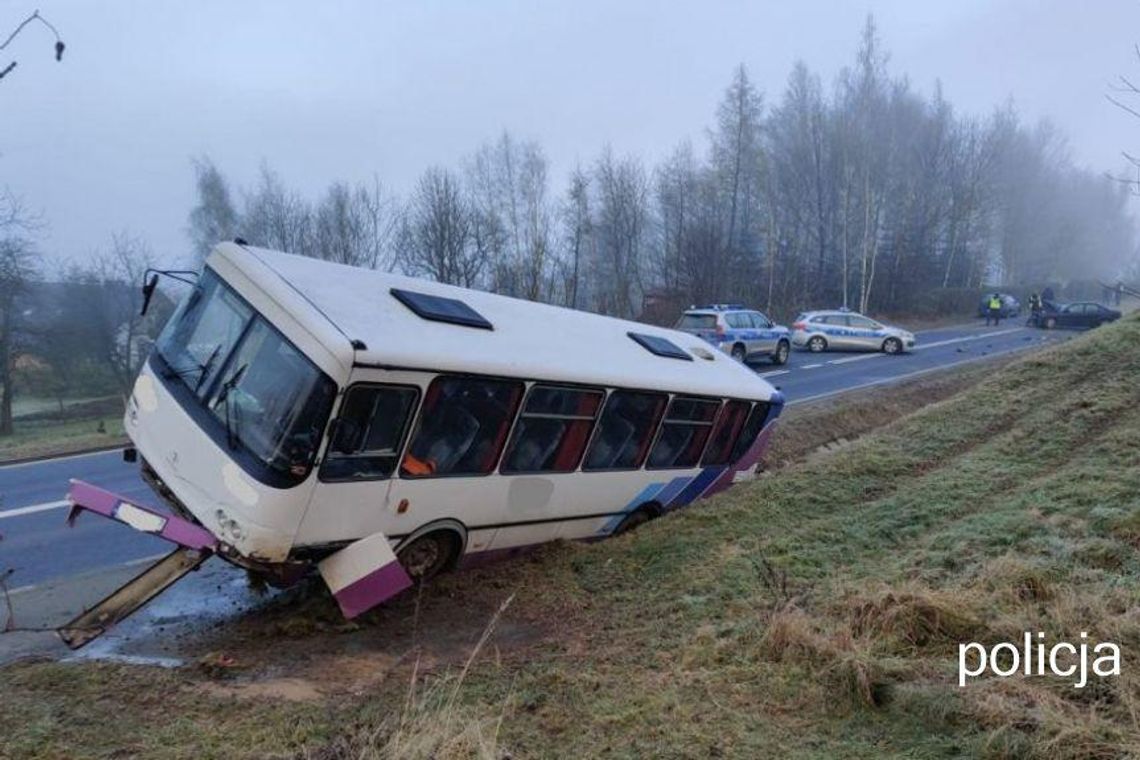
(858, 358)
(34, 508)
(811, 366)
(774, 372)
(130, 563)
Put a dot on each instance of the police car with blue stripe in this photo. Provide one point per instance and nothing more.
(847, 331)
(744, 334)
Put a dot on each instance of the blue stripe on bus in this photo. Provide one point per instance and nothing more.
(669, 492)
(697, 486)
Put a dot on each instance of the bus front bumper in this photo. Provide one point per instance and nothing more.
(360, 575)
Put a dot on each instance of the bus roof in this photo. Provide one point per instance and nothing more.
(528, 340)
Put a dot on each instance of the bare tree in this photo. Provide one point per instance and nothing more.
(621, 228)
(437, 235)
(19, 263)
(276, 217)
(121, 336)
(214, 218)
(508, 186)
(354, 225)
(578, 235)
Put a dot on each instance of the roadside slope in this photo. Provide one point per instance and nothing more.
(814, 613)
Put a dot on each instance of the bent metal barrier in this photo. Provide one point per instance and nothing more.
(360, 576)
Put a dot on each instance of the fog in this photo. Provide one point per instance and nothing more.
(103, 140)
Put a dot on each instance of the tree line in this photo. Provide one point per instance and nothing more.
(865, 194)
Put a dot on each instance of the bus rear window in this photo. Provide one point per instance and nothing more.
(684, 433)
(625, 431)
(728, 427)
(552, 430)
(462, 427)
(751, 429)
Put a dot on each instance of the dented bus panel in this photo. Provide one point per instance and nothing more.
(299, 415)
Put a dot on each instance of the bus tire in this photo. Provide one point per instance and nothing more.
(429, 555)
(634, 519)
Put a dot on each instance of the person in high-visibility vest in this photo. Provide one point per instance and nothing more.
(994, 312)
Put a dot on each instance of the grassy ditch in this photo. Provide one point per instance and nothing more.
(813, 613)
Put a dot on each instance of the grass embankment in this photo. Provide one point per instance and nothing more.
(815, 613)
(51, 431)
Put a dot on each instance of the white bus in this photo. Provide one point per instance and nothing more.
(296, 412)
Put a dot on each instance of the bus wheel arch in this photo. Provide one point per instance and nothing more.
(432, 549)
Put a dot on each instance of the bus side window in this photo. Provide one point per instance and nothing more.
(369, 433)
(626, 430)
(724, 435)
(751, 430)
(552, 430)
(462, 428)
(684, 433)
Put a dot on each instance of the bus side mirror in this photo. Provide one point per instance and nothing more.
(148, 293)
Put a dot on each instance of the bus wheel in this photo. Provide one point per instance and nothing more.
(634, 519)
(429, 555)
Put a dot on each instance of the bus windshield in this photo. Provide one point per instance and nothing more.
(264, 399)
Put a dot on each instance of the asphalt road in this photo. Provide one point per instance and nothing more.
(38, 545)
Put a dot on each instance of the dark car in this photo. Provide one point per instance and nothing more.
(1084, 314)
(1010, 306)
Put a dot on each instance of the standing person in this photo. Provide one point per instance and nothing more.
(994, 312)
(1034, 310)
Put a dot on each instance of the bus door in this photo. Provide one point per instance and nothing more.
(353, 496)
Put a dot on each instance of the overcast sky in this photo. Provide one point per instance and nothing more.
(326, 90)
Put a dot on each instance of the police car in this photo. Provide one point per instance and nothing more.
(742, 333)
(847, 331)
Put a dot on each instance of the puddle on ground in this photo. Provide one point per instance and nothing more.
(156, 634)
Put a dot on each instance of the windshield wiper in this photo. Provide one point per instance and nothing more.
(203, 369)
(207, 366)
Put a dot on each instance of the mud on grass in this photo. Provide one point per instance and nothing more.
(813, 613)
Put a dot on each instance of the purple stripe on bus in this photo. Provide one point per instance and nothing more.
(376, 587)
(750, 458)
(175, 529)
